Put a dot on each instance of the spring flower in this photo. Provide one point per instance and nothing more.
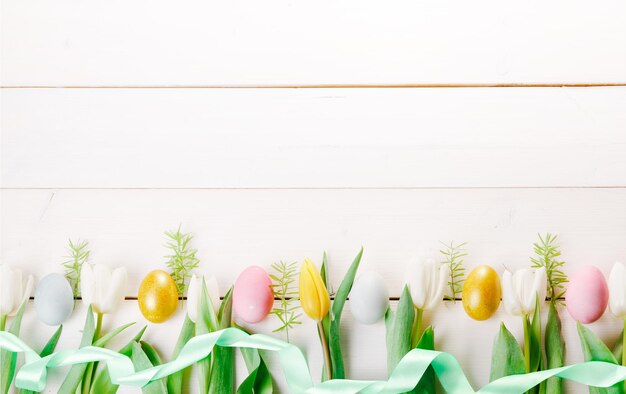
(617, 290)
(101, 287)
(427, 282)
(521, 289)
(314, 297)
(195, 290)
(13, 290)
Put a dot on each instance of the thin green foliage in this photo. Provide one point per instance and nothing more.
(454, 259)
(283, 279)
(547, 252)
(78, 254)
(183, 259)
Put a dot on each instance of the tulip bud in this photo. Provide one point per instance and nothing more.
(101, 287)
(427, 282)
(521, 289)
(13, 290)
(194, 291)
(314, 297)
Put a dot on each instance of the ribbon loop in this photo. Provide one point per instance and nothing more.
(33, 374)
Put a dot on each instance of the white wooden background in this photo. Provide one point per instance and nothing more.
(123, 119)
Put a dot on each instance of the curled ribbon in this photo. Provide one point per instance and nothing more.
(32, 375)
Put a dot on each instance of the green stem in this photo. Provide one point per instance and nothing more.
(417, 326)
(526, 343)
(96, 334)
(325, 350)
(3, 322)
(624, 344)
(90, 372)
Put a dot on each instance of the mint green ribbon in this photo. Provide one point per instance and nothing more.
(32, 375)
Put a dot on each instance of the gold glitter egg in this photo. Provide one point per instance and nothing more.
(481, 293)
(158, 296)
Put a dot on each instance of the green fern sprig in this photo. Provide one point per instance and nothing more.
(454, 259)
(183, 259)
(547, 252)
(77, 256)
(283, 277)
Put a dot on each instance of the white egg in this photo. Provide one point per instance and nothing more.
(54, 300)
(369, 298)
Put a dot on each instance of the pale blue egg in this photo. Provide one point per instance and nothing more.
(54, 300)
(369, 298)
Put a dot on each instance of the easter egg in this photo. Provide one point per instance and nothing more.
(481, 293)
(54, 300)
(587, 295)
(158, 296)
(369, 298)
(252, 295)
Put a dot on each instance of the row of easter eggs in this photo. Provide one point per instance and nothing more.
(586, 298)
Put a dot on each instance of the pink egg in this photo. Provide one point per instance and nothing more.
(252, 296)
(587, 295)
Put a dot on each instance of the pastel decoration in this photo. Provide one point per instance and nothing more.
(253, 297)
(369, 298)
(587, 295)
(158, 296)
(54, 300)
(481, 293)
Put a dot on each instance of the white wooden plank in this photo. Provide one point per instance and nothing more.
(207, 138)
(238, 228)
(274, 42)
(364, 346)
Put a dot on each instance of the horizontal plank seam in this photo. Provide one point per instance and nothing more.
(329, 86)
(322, 188)
(332, 298)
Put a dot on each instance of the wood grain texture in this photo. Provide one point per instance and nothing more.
(282, 42)
(237, 228)
(319, 138)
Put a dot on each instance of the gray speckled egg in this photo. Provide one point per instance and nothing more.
(54, 300)
(369, 298)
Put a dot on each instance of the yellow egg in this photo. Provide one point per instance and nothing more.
(158, 296)
(482, 292)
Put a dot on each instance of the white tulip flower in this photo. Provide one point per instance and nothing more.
(617, 290)
(521, 289)
(427, 280)
(194, 292)
(102, 288)
(13, 291)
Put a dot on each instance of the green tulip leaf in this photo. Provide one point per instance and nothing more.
(507, 358)
(102, 382)
(141, 361)
(207, 322)
(222, 378)
(595, 350)
(334, 339)
(617, 350)
(426, 385)
(75, 376)
(47, 350)
(175, 380)
(535, 339)
(9, 359)
(555, 349)
(102, 341)
(326, 320)
(259, 380)
(399, 326)
(151, 352)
